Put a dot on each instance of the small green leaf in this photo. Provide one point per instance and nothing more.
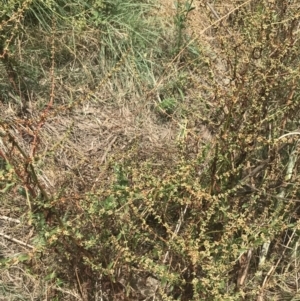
(23, 257)
(50, 276)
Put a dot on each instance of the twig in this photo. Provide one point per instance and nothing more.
(78, 282)
(69, 292)
(289, 134)
(6, 218)
(108, 149)
(244, 262)
(16, 241)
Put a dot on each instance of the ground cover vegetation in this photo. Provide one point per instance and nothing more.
(149, 150)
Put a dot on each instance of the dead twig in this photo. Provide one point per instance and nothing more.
(9, 219)
(16, 241)
(108, 149)
(244, 264)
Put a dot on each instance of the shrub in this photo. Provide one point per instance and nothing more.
(199, 207)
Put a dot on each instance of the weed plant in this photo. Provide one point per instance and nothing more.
(111, 203)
